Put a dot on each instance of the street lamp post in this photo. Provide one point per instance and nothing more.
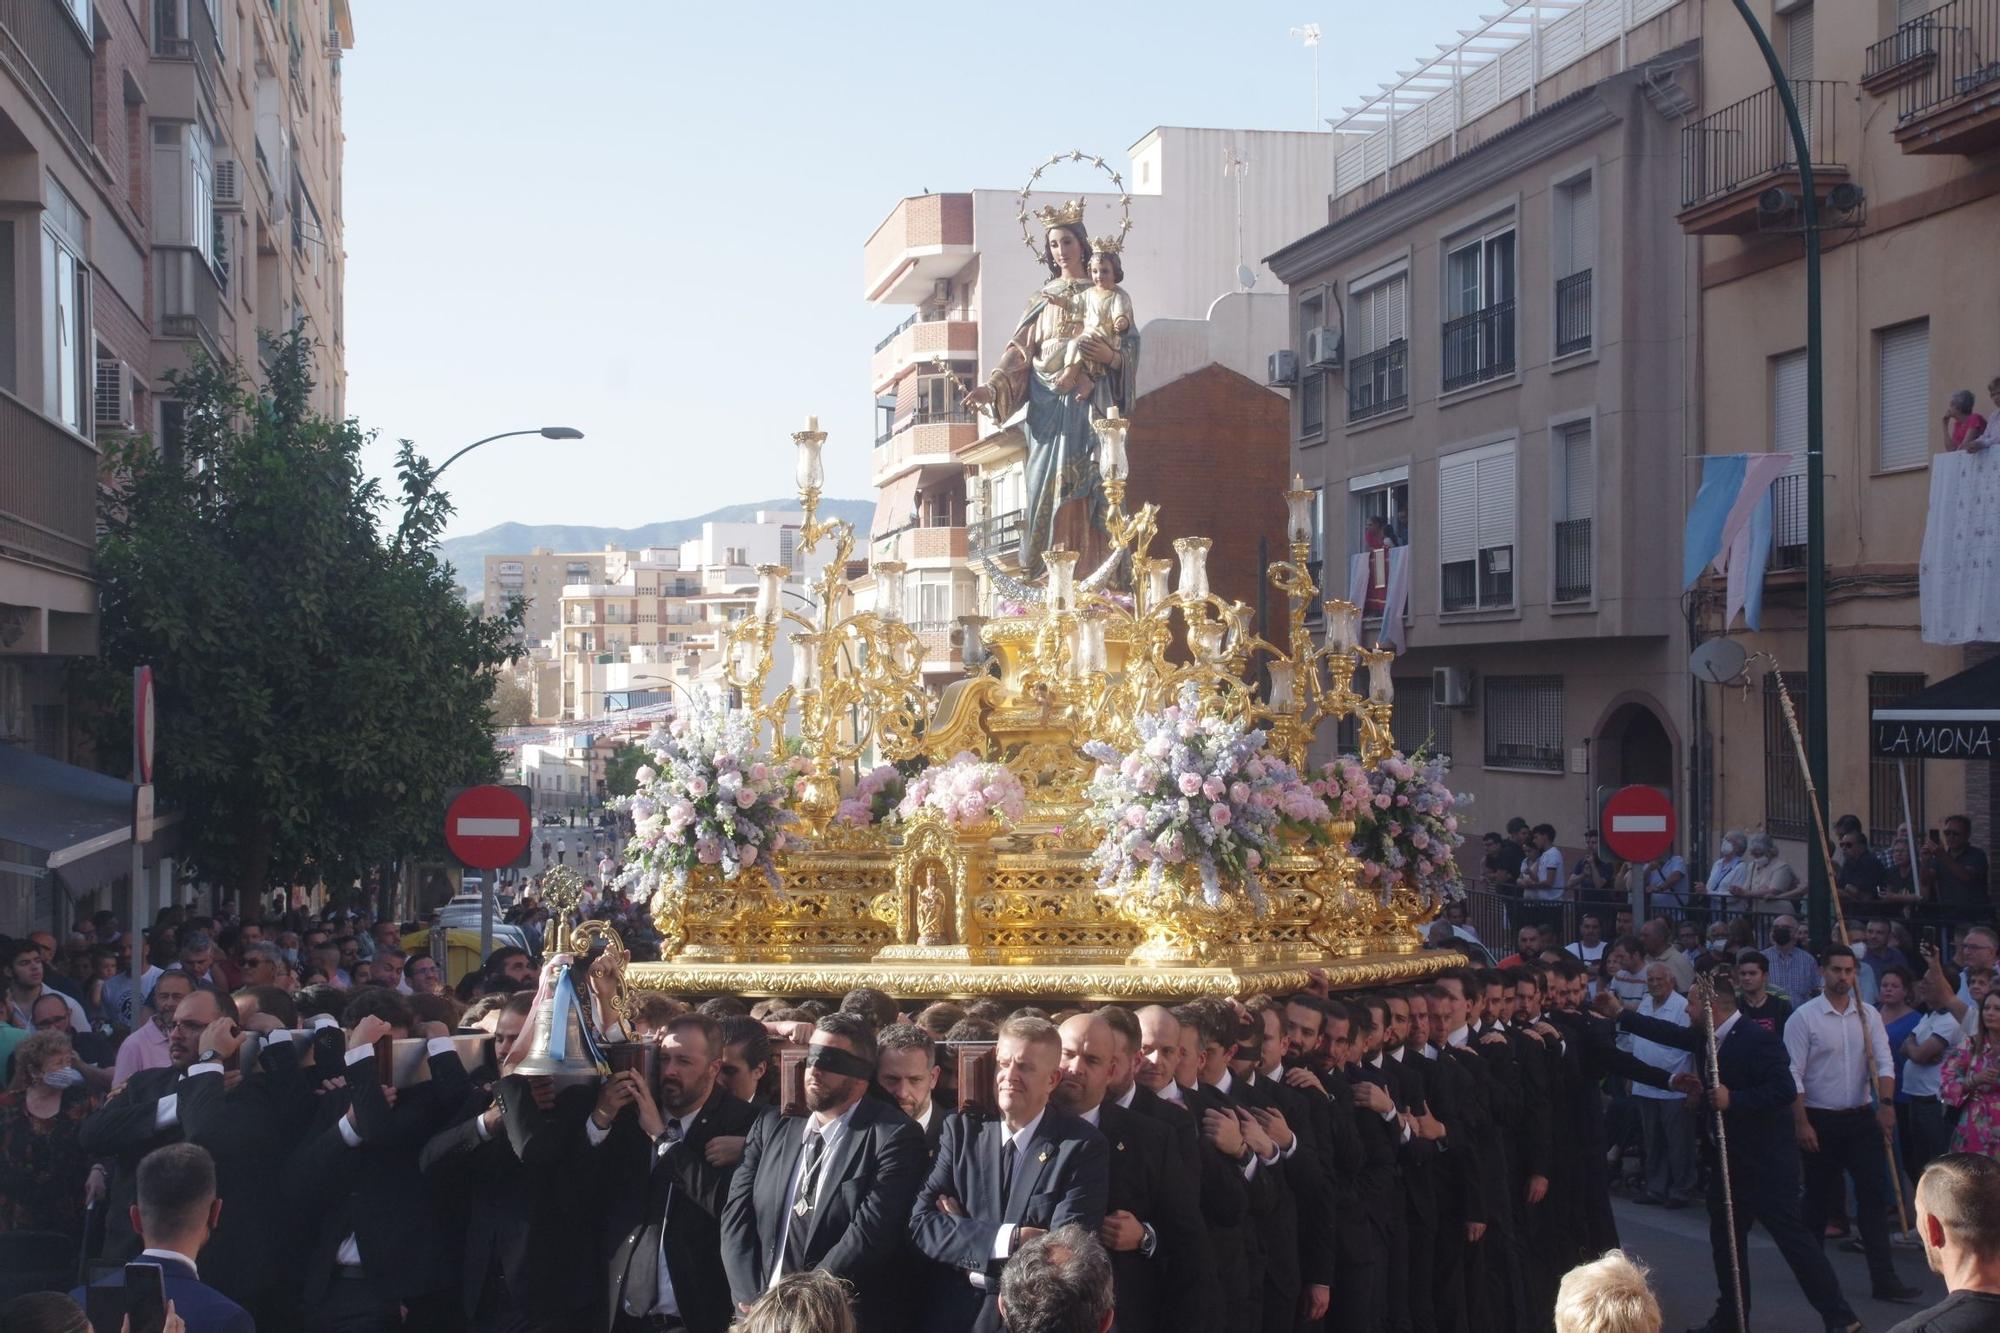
(1819, 910)
(430, 478)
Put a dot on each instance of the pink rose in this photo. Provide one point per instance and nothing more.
(1239, 792)
(1213, 788)
(1190, 784)
(1218, 814)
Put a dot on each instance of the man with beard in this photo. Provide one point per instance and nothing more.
(906, 1070)
(202, 1097)
(1316, 1054)
(525, 1268)
(648, 1159)
(1152, 1228)
(830, 1190)
(1298, 1280)
(1209, 1034)
(999, 1183)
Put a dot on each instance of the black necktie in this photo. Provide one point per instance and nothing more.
(1008, 1156)
(802, 1207)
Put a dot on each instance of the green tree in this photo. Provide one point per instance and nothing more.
(513, 706)
(320, 682)
(621, 770)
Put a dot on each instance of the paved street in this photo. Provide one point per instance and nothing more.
(1675, 1246)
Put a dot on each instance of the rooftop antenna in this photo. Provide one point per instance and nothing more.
(1309, 34)
(1236, 164)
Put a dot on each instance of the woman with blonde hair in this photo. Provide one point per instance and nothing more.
(808, 1302)
(44, 1172)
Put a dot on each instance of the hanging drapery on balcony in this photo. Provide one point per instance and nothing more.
(895, 507)
(1959, 572)
(1362, 572)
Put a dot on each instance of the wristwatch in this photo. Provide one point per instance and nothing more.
(209, 1056)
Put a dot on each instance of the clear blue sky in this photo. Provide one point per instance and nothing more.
(645, 219)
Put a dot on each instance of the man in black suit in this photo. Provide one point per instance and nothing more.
(1152, 1224)
(526, 1266)
(1318, 1039)
(663, 1221)
(204, 1098)
(1296, 1122)
(997, 1184)
(1213, 1029)
(906, 1070)
(380, 1248)
(1750, 1082)
(830, 1190)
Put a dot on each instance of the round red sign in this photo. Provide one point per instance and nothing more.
(488, 827)
(1638, 824)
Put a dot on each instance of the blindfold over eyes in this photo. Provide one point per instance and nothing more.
(833, 1060)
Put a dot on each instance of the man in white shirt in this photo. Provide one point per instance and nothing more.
(1589, 944)
(1847, 1075)
(1925, 1134)
(1546, 874)
(1665, 1123)
(25, 971)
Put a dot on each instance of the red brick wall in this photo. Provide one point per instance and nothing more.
(1211, 449)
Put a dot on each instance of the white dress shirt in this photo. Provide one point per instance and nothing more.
(1829, 1062)
(1003, 1239)
(1670, 1060)
(1922, 1080)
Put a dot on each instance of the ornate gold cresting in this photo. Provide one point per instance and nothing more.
(928, 909)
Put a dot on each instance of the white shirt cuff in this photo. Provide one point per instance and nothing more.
(439, 1046)
(205, 1067)
(479, 1128)
(360, 1053)
(1003, 1240)
(1285, 1153)
(168, 1111)
(1249, 1168)
(318, 1021)
(348, 1135)
(277, 1037)
(593, 1133)
(1388, 1116)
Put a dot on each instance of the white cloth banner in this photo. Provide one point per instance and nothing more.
(1959, 572)
(1396, 594)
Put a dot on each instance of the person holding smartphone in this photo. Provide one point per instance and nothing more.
(176, 1213)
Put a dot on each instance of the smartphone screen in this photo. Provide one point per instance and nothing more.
(146, 1297)
(105, 1307)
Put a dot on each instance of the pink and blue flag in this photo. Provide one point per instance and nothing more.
(1729, 527)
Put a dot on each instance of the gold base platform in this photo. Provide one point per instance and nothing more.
(939, 980)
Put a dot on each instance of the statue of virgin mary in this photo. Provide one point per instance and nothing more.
(1065, 496)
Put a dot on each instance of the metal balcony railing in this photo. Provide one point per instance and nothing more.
(51, 45)
(1909, 43)
(1573, 560)
(1748, 140)
(1788, 523)
(954, 417)
(193, 40)
(1378, 381)
(1479, 346)
(1573, 314)
(48, 489)
(1965, 34)
(997, 536)
(190, 298)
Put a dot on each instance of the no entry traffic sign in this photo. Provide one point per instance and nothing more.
(488, 827)
(1638, 823)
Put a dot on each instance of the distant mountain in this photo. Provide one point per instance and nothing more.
(467, 555)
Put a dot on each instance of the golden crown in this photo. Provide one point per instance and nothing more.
(1066, 214)
(1107, 245)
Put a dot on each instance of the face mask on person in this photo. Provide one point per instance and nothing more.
(1718, 946)
(1781, 935)
(290, 956)
(66, 1077)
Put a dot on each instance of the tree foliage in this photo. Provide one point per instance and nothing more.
(319, 680)
(622, 767)
(513, 704)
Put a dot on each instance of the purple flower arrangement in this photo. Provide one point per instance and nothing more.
(1405, 828)
(710, 797)
(1198, 791)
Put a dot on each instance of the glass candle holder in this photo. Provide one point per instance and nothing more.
(1062, 579)
(1298, 509)
(770, 585)
(1281, 686)
(805, 662)
(1193, 552)
(889, 589)
(1158, 585)
(808, 467)
(1381, 689)
(1341, 629)
(1111, 429)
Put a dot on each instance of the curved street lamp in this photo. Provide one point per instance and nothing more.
(546, 432)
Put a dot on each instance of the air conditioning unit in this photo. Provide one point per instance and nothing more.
(229, 185)
(1282, 369)
(113, 400)
(1451, 687)
(1322, 347)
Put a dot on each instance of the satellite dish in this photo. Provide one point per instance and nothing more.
(1246, 277)
(1719, 661)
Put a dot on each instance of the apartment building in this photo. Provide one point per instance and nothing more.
(1205, 204)
(1488, 365)
(1898, 98)
(659, 618)
(169, 181)
(538, 578)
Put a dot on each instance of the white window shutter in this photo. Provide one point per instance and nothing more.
(1395, 310)
(1904, 412)
(1788, 410)
(1458, 511)
(1496, 500)
(1579, 227)
(1799, 43)
(1579, 472)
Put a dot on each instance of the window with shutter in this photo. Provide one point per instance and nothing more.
(1378, 352)
(1788, 436)
(1904, 363)
(1576, 496)
(1524, 723)
(1576, 255)
(1476, 506)
(1799, 67)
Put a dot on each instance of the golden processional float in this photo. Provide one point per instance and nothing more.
(1108, 806)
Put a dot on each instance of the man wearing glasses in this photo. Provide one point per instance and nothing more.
(1858, 874)
(1955, 870)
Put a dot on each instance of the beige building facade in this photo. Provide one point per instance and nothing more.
(1898, 99)
(538, 578)
(1489, 367)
